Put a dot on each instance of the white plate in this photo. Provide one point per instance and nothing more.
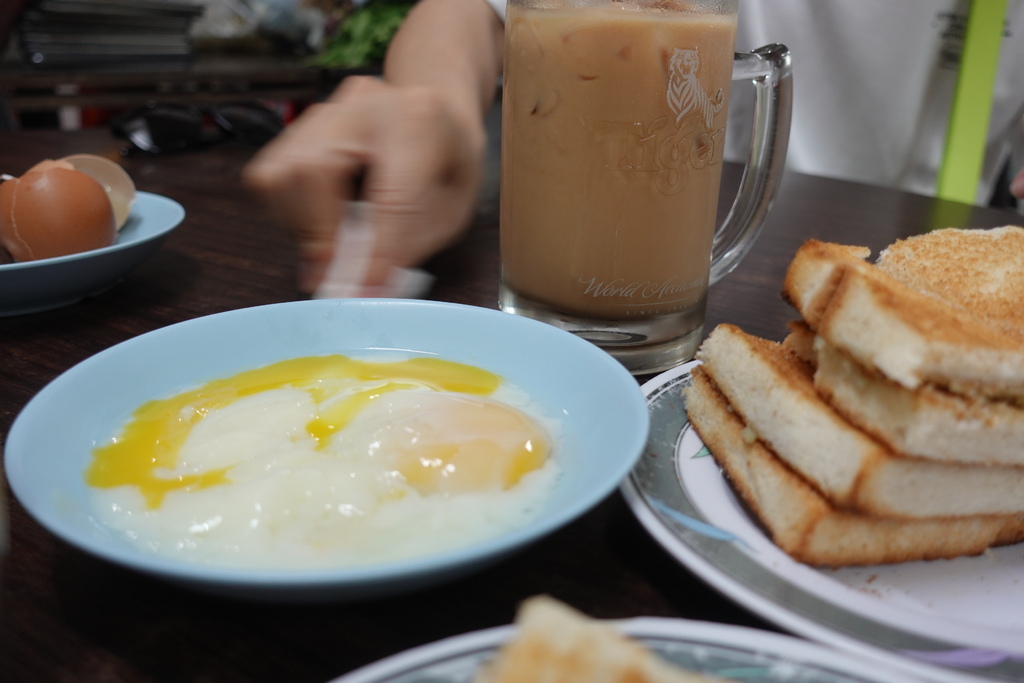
(34, 286)
(965, 614)
(733, 652)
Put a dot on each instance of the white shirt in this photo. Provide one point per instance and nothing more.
(873, 86)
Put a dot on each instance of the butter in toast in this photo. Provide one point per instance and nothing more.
(774, 393)
(912, 337)
(805, 524)
(926, 422)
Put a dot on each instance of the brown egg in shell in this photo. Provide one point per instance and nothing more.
(62, 207)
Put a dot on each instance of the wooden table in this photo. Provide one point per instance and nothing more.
(69, 617)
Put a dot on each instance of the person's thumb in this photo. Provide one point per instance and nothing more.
(1017, 185)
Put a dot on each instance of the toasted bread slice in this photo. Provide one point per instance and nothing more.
(981, 271)
(800, 341)
(809, 528)
(773, 391)
(815, 272)
(555, 643)
(927, 422)
(912, 337)
(916, 339)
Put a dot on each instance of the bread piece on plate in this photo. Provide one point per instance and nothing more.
(773, 392)
(912, 337)
(800, 341)
(916, 339)
(814, 274)
(809, 528)
(981, 271)
(554, 643)
(926, 422)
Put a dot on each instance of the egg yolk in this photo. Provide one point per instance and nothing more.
(452, 439)
(453, 444)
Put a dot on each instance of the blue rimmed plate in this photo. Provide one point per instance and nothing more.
(34, 286)
(601, 414)
(965, 615)
(729, 652)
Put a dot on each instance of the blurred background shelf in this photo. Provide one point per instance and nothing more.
(77, 63)
(205, 80)
(76, 33)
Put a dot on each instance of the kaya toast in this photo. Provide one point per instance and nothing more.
(554, 643)
(805, 524)
(773, 392)
(911, 337)
(986, 277)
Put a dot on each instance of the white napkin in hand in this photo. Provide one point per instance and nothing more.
(353, 247)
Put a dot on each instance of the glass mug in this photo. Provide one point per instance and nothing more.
(613, 124)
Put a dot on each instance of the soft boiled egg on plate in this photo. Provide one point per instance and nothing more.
(327, 449)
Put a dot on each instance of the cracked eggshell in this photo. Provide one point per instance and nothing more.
(53, 211)
(115, 180)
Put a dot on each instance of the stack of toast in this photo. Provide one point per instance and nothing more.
(889, 425)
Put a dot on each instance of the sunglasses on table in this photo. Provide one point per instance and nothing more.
(160, 128)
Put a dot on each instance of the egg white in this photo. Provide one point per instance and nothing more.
(291, 505)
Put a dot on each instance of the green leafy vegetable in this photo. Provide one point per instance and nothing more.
(363, 38)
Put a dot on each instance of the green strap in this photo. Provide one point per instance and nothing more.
(972, 102)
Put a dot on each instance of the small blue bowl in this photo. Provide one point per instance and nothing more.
(602, 410)
(34, 286)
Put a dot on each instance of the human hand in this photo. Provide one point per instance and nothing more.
(418, 161)
(1017, 185)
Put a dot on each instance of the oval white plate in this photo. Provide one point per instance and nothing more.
(733, 652)
(966, 613)
(34, 286)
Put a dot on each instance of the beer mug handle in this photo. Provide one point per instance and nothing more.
(770, 69)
